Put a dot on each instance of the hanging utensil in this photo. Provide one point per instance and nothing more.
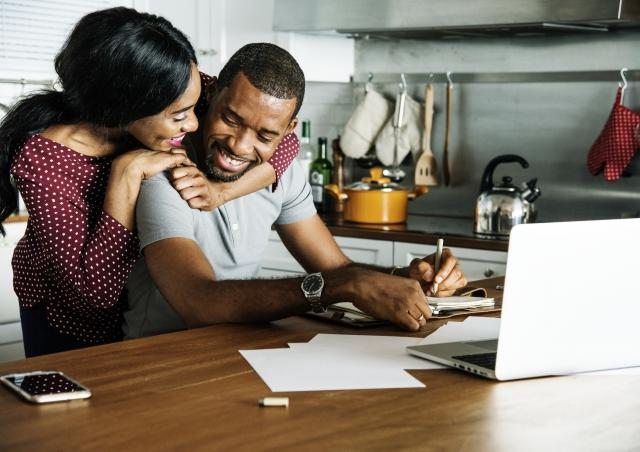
(623, 85)
(426, 167)
(445, 154)
(395, 173)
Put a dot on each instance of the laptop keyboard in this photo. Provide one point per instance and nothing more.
(487, 360)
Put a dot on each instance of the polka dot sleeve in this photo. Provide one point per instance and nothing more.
(87, 262)
(79, 250)
(285, 153)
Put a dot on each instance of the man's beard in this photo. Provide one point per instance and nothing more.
(214, 172)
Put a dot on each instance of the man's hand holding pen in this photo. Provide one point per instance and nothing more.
(447, 278)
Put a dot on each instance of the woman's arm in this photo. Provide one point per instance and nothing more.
(127, 173)
(86, 252)
(205, 194)
(87, 259)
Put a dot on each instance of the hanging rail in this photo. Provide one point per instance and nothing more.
(499, 77)
(25, 81)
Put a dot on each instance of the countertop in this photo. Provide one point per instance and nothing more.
(425, 229)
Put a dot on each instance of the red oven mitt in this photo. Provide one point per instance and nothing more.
(616, 145)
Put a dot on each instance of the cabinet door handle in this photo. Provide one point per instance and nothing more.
(488, 273)
(207, 52)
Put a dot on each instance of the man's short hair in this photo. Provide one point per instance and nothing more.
(269, 68)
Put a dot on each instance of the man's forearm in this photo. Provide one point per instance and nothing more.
(376, 268)
(256, 300)
(231, 301)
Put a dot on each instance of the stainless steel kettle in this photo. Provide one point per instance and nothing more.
(499, 208)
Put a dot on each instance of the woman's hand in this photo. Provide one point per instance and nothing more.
(127, 173)
(141, 164)
(195, 188)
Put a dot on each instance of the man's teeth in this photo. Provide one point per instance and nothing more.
(232, 161)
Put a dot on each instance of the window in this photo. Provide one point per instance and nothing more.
(32, 32)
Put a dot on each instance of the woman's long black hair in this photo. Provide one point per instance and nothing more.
(117, 65)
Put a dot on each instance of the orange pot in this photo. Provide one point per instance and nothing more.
(375, 199)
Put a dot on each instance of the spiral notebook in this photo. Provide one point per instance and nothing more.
(468, 300)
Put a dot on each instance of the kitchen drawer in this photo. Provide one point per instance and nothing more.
(11, 346)
(476, 264)
(11, 352)
(9, 310)
(278, 262)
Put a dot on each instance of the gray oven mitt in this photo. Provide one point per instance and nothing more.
(365, 124)
(409, 138)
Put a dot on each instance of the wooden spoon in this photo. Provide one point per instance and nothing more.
(447, 137)
(426, 166)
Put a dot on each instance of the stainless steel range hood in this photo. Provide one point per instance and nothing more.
(449, 18)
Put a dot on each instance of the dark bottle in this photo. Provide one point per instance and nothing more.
(320, 175)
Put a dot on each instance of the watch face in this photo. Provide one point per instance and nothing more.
(312, 283)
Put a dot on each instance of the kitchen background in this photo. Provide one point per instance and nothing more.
(551, 124)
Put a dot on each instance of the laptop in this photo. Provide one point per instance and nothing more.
(571, 304)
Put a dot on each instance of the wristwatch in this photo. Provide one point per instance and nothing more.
(312, 286)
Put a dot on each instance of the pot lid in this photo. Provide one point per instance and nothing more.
(375, 181)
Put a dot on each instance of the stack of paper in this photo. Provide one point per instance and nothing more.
(439, 305)
(344, 361)
(351, 311)
(333, 362)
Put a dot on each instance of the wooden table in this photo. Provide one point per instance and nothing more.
(192, 390)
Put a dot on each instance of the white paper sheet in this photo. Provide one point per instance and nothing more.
(299, 369)
(388, 351)
(346, 361)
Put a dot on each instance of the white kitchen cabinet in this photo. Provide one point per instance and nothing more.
(476, 264)
(10, 329)
(278, 262)
(218, 28)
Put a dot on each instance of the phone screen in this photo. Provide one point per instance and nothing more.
(42, 387)
(48, 383)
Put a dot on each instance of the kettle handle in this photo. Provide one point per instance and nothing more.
(487, 177)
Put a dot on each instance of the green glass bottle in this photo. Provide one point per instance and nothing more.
(305, 157)
(320, 175)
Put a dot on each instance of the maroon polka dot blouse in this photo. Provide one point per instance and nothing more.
(75, 258)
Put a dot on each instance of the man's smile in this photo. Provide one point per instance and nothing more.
(223, 165)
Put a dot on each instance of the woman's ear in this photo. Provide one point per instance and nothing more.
(211, 89)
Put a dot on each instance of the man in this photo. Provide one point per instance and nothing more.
(199, 267)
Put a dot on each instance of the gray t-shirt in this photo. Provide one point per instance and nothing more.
(233, 238)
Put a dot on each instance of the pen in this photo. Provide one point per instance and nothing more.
(439, 245)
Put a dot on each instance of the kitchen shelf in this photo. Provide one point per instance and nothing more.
(419, 229)
(16, 219)
(499, 77)
(24, 81)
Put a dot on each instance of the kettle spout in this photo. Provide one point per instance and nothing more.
(531, 191)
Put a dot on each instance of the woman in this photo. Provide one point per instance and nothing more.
(78, 156)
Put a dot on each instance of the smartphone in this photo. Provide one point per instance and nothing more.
(45, 386)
